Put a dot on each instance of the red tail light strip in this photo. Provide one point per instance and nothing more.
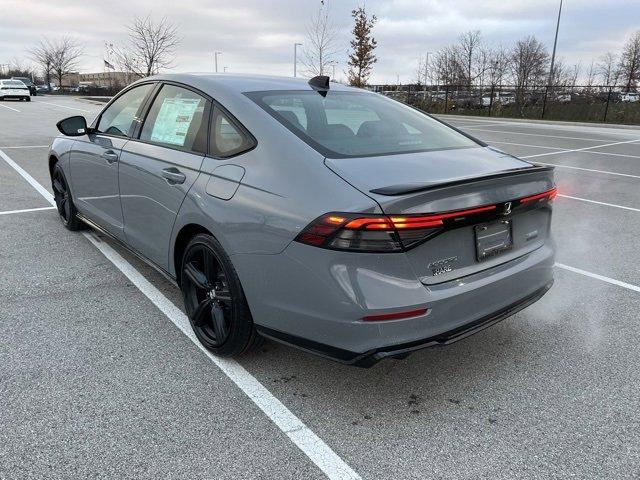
(549, 194)
(406, 223)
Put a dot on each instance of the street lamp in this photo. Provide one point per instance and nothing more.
(555, 42)
(215, 59)
(295, 58)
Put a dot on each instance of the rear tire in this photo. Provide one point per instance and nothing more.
(64, 202)
(28, 99)
(214, 299)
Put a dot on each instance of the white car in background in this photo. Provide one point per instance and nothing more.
(630, 97)
(14, 89)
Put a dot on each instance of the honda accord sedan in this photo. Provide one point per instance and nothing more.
(319, 215)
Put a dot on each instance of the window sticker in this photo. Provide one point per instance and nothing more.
(173, 120)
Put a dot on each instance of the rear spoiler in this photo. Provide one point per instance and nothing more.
(403, 189)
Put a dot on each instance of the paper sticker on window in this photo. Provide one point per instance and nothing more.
(173, 120)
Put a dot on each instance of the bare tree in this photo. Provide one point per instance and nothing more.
(470, 52)
(497, 66)
(608, 69)
(66, 53)
(448, 69)
(529, 60)
(630, 62)
(151, 47)
(362, 58)
(320, 48)
(43, 54)
(574, 74)
(592, 73)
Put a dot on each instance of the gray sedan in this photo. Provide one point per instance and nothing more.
(319, 215)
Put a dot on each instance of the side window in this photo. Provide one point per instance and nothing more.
(118, 117)
(226, 138)
(178, 118)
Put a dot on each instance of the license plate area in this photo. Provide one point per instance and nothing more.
(492, 239)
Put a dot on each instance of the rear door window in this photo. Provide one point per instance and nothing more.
(178, 119)
(118, 118)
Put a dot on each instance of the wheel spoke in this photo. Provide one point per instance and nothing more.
(67, 209)
(224, 296)
(208, 265)
(198, 278)
(201, 313)
(219, 325)
(57, 186)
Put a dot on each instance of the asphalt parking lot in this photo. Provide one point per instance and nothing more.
(97, 378)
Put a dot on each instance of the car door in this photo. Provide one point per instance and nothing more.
(94, 160)
(158, 168)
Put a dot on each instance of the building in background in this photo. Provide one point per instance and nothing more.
(107, 79)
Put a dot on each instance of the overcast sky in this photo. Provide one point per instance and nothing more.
(257, 36)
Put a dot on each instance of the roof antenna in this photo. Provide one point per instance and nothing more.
(320, 84)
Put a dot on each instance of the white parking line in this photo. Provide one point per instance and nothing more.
(469, 125)
(600, 203)
(26, 210)
(581, 149)
(32, 181)
(26, 146)
(612, 281)
(10, 108)
(302, 436)
(541, 135)
(590, 170)
(64, 106)
(526, 145)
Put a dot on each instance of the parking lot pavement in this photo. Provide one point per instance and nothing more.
(97, 381)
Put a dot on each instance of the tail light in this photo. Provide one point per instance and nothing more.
(397, 233)
(377, 233)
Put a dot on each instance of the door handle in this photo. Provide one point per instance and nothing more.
(173, 175)
(110, 156)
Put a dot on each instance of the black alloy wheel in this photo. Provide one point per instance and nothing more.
(64, 201)
(214, 299)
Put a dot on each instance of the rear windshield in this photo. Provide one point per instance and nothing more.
(357, 124)
(14, 83)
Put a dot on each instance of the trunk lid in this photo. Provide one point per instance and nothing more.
(450, 180)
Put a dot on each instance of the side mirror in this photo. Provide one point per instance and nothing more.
(73, 126)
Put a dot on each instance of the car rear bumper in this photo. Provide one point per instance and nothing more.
(370, 358)
(317, 301)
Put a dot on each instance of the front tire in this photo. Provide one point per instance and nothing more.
(214, 299)
(64, 202)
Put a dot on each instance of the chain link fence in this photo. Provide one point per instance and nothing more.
(603, 103)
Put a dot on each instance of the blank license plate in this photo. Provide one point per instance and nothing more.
(492, 239)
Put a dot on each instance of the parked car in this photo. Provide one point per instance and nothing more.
(629, 97)
(503, 98)
(14, 89)
(29, 83)
(42, 89)
(323, 216)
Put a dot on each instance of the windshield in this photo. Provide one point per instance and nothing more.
(14, 83)
(358, 124)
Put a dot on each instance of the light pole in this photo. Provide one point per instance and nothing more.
(295, 58)
(215, 60)
(426, 68)
(555, 42)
